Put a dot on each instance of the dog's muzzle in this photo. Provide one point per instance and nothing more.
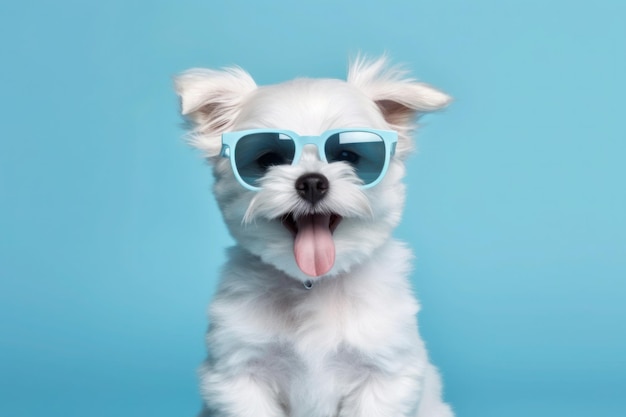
(313, 247)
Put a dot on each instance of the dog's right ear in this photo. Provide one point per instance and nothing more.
(400, 99)
(211, 101)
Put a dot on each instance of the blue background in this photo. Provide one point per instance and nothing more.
(110, 240)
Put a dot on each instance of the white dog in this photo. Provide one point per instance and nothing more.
(314, 316)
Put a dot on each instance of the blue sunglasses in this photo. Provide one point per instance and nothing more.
(253, 152)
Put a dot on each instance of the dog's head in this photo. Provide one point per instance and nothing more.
(308, 172)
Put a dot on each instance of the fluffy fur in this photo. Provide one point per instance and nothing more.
(349, 346)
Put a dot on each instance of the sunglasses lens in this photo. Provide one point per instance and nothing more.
(257, 152)
(365, 151)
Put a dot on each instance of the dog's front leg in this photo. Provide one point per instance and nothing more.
(383, 395)
(246, 394)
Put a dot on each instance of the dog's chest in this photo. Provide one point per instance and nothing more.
(331, 344)
(333, 319)
(316, 344)
(370, 311)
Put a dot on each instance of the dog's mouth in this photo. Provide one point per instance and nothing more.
(313, 247)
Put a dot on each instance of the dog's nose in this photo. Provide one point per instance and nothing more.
(312, 187)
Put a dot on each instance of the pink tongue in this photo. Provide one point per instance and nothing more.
(313, 247)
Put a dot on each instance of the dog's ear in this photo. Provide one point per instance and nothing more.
(210, 101)
(400, 98)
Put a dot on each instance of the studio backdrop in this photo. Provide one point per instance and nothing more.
(111, 242)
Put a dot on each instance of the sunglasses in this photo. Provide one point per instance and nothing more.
(253, 152)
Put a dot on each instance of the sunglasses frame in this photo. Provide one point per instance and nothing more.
(230, 139)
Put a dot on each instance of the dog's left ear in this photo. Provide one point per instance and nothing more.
(211, 100)
(400, 98)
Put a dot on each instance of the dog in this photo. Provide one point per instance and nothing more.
(314, 315)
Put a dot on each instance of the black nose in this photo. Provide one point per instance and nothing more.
(312, 187)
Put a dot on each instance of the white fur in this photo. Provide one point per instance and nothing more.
(348, 347)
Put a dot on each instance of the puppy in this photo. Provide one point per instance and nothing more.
(314, 315)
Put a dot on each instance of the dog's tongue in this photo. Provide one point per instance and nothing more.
(313, 247)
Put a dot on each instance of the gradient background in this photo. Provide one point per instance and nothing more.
(110, 240)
